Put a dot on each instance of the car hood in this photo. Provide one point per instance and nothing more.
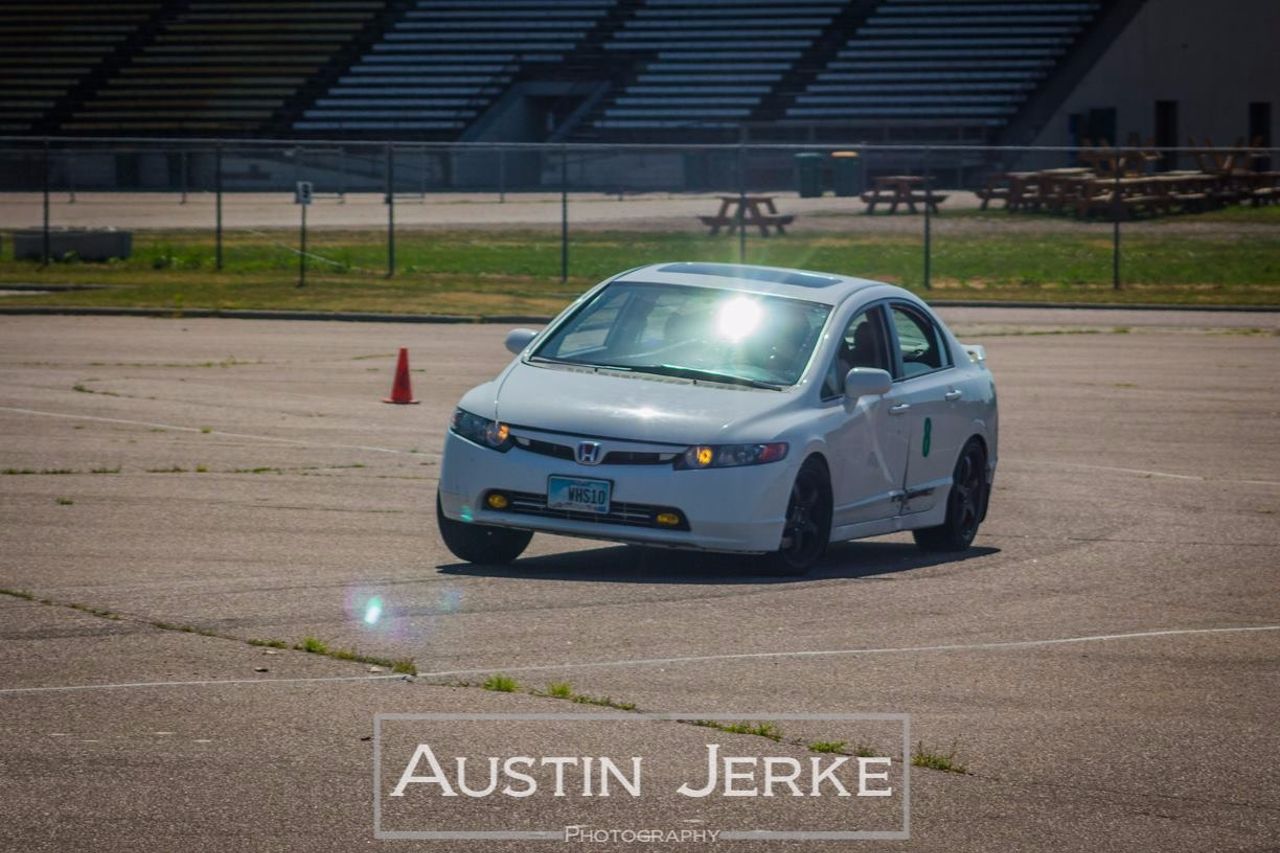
(635, 406)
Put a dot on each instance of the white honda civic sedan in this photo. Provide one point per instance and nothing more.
(726, 408)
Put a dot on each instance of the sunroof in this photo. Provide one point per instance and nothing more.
(799, 279)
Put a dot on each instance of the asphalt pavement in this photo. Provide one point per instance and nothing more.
(1104, 663)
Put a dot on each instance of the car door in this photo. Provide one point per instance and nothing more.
(925, 392)
(868, 440)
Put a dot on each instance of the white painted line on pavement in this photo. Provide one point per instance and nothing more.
(152, 425)
(960, 647)
(1011, 644)
(212, 683)
(1147, 473)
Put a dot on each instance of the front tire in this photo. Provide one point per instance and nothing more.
(966, 504)
(480, 543)
(807, 529)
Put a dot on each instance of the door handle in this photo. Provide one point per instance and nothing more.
(953, 395)
(900, 409)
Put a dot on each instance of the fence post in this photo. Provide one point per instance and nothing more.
(217, 205)
(1115, 228)
(742, 200)
(302, 254)
(502, 175)
(423, 168)
(70, 160)
(44, 244)
(342, 175)
(182, 160)
(391, 210)
(928, 222)
(564, 214)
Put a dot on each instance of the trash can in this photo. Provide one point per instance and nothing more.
(809, 175)
(846, 169)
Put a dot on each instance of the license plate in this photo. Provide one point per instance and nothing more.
(579, 495)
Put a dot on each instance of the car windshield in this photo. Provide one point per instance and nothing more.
(700, 333)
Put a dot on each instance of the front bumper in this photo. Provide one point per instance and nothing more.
(726, 509)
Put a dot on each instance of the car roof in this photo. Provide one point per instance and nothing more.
(827, 288)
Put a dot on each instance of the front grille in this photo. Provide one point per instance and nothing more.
(546, 448)
(620, 512)
(613, 457)
(635, 457)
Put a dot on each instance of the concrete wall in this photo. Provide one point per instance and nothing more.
(1211, 56)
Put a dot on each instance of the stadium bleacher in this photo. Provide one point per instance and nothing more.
(708, 63)
(429, 69)
(223, 66)
(47, 48)
(445, 61)
(955, 62)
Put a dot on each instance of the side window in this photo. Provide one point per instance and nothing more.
(863, 344)
(918, 342)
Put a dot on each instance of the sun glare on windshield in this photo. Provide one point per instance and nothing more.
(737, 318)
(682, 330)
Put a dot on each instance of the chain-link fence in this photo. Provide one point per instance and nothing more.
(1179, 224)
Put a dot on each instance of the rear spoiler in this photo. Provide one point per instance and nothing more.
(977, 353)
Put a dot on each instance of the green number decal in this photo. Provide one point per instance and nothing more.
(928, 436)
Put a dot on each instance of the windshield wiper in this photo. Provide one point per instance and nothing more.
(708, 375)
(589, 365)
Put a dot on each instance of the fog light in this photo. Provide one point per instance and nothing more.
(497, 500)
(667, 519)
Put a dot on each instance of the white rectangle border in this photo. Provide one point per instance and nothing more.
(902, 834)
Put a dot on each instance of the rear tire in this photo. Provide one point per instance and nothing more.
(481, 543)
(807, 530)
(966, 504)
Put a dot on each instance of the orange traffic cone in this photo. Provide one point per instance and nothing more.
(401, 392)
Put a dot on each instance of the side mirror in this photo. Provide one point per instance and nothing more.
(866, 382)
(518, 339)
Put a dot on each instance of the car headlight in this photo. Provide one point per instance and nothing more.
(730, 455)
(482, 431)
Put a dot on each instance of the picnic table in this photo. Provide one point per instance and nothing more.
(1113, 193)
(1061, 188)
(758, 210)
(1017, 190)
(1164, 192)
(901, 189)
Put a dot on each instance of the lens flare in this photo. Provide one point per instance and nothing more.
(373, 611)
(737, 318)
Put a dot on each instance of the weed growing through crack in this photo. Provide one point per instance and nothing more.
(312, 645)
(604, 702)
(923, 757)
(315, 646)
(501, 683)
(560, 690)
(827, 746)
(769, 730)
(841, 747)
(404, 666)
(271, 644)
(85, 608)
